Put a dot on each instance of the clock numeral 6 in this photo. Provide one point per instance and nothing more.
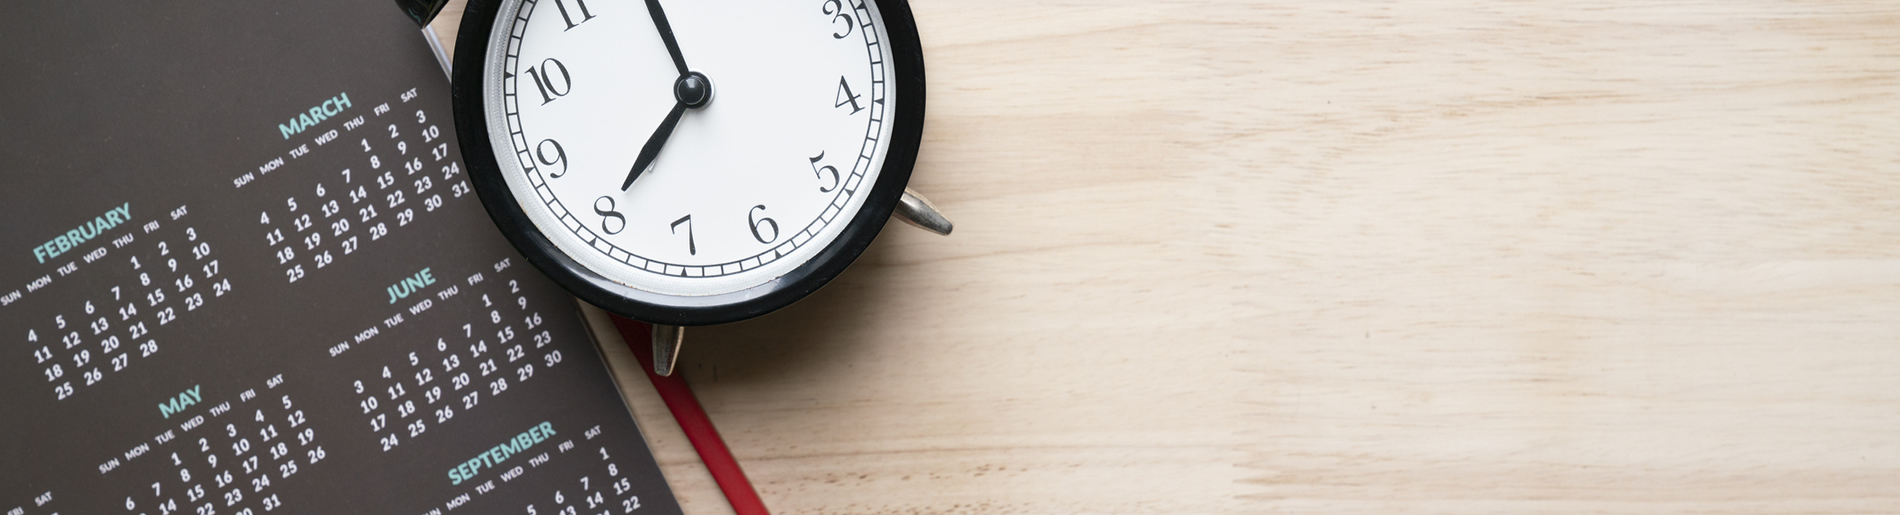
(835, 8)
(607, 214)
(560, 156)
(820, 172)
(759, 222)
(544, 80)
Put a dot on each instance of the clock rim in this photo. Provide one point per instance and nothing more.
(478, 155)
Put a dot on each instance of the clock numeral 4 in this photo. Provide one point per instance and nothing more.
(544, 80)
(845, 96)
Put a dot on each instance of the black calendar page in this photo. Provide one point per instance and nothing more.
(242, 272)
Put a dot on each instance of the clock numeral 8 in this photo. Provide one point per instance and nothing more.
(820, 172)
(607, 213)
(835, 8)
(544, 80)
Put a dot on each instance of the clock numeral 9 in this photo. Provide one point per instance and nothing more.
(820, 172)
(544, 80)
(607, 213)
(560, 156)
(835, 8)
(761, 221)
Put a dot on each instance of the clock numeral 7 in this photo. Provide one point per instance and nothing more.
(544, 80)
(691, 248)
(609, 214)
(845, 96)
(559, 4)
(820, 172)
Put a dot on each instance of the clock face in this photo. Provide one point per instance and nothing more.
(758, 167)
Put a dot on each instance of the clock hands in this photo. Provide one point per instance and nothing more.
(666, 35)
(691, 91)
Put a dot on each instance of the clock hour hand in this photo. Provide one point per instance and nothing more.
(666, 34)
(692, 91)
(652, 148)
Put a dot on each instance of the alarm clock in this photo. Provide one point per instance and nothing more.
(689, 163)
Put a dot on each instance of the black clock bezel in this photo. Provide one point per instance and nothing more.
(471, 126)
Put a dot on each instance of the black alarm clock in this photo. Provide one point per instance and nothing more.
(690, 163)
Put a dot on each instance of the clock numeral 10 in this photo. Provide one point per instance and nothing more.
(544, 80)
(559, 4)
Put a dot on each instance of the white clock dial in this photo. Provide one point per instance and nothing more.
(745, 188)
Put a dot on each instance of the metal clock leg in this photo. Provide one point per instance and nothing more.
(916, 210)
(666, 347)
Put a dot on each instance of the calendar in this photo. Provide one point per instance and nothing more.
(243, 272)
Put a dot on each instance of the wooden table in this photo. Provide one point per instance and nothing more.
(1358, 257)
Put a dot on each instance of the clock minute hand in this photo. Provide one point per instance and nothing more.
(666, 34)
(652, 148)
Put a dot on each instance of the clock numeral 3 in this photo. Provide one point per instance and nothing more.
(835, 8)
(845, 96)
(560, 156)
(544, 80)
(559, 4)
(608, 213)
(820, 171)
(691, 248)
(759, 222)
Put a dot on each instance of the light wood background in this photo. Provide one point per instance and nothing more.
(1359, 257)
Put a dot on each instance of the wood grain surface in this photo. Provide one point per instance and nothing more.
(1360, 257)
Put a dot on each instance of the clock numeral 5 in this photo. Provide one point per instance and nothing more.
(835, 8)
(544, 80)
(608, 213)
(820, 171)
(845, 96)
(559, 4)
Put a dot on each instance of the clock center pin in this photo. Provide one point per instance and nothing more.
(693, 89)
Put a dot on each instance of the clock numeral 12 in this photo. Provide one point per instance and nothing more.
(559, 4)
(845, 96)
(544, 81)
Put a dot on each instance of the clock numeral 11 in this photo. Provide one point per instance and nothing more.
(559, 4)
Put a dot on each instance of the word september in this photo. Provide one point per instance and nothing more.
(500, 453)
